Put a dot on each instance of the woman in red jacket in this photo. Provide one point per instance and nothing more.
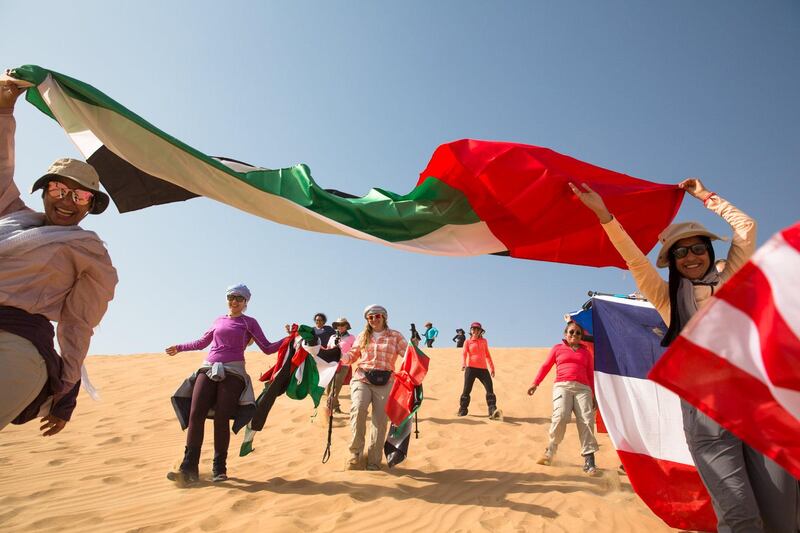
(478, 364)
(572, 393)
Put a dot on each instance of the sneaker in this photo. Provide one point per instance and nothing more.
(462, 412)
(222, 476)
(354, 460)
(373, 468)
(545, 460)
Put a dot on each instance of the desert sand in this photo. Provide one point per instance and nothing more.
(106, 471)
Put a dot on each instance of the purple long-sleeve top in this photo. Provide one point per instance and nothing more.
(230, 336)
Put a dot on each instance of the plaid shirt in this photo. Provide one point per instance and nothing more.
(379, 354)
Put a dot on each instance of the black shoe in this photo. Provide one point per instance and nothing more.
(588, 464)
(462, 412)
(219, 471)
(188, 472)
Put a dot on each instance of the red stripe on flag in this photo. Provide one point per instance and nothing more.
(521, 193)
(673, 491)
(792, 236)
(751, 292)
(735, 399)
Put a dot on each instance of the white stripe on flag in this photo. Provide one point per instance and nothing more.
(633, 425)
(780, 263)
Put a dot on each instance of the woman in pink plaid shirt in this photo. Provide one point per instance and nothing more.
(375, 352)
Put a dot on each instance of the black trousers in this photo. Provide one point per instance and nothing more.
(482, 374)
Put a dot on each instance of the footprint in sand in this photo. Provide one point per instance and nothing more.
(112, 440)
(112, 480)
(118, 461)
(244, 505)
(211, 523)
(56, 462)
(433, 445)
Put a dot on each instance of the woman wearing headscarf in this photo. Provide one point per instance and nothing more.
(375, 353)
(221, 383)
(572, 393)
(749, 491)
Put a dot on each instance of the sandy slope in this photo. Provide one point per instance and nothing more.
(106, 471)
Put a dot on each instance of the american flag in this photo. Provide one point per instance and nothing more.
(738, 359)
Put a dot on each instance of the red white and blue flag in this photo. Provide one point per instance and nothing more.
(738, 359)
(643, 419)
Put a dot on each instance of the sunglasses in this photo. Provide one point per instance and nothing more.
(575, 332)
(237, 297)
(682, 251)
(56, 189)
(374, 317)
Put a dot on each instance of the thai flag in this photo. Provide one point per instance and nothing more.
(643, 418)
(738, 359)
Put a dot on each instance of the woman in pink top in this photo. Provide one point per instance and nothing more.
(572, 393)
(477, 363)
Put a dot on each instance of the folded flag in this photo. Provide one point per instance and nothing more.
(475, 197)
(405, 399)
(644, 419)
(738, 359)
(282, 377)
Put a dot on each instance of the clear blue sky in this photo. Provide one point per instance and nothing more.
(363, 92)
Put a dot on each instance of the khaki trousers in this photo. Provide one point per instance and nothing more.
(363, 395)
(572, 397)
(22, 375)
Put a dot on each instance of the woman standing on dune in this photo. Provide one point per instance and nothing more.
(221, 383)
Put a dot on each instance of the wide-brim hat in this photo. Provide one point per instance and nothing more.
(477, 325)
(341, 322)
(675, 232)
(79, 172)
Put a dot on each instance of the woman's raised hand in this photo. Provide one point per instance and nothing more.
(593, 201)
(172, 350)
(695, 187)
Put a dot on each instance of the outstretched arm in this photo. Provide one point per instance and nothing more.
(10, 200)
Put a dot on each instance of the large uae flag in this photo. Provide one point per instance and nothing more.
(475, 197)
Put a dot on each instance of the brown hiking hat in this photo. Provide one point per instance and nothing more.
(79, 172)
(675, 232)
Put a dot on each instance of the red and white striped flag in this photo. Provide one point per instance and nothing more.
(738, 359)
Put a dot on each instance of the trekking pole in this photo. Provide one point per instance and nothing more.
(416, 425)
(327, 454)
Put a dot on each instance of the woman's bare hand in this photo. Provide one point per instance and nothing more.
(593, 201)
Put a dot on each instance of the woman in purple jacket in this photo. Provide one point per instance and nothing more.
(220, 384)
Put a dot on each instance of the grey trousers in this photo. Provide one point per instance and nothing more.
(363, 396)
(572, 397)
(22, 378)
(749, 491)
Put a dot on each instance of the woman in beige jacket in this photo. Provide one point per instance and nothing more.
(749, 491)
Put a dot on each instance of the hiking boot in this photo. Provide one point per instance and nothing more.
(188, 473)
(337, 411)
(588, 464)
(219, 471)
(545, 460)
(463, 404)
(491, 402)
(373, 468)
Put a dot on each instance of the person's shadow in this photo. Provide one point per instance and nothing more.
(453, 486)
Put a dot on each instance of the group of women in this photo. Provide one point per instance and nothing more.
(749, 492)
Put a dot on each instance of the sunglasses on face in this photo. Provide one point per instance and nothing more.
(697, 249)
(374, 317)
(58, 190)
(575, 332)
(238, 298)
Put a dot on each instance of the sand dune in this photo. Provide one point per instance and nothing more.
(106, 470)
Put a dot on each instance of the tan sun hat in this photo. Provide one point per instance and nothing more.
(80, 172)
(675, 232)
(341, 322)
